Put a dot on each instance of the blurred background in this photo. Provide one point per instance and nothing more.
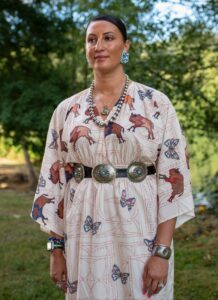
(42, 61)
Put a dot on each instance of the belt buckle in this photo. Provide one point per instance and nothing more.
(137, 171)
(104, 173)
(79, 172)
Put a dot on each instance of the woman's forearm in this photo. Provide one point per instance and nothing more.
(56, 252)
(165, 232)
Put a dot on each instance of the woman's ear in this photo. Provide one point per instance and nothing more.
(127, 45)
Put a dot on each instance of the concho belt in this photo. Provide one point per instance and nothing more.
(104, 173)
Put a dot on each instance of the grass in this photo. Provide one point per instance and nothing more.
(196, 259)
(24, 263)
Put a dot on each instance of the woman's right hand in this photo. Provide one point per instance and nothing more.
(58, 269)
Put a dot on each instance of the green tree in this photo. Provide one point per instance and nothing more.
(42, 61)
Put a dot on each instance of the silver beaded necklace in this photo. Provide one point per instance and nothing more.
(113, 113)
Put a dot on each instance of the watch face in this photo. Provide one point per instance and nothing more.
(49, 246)
(165, 252)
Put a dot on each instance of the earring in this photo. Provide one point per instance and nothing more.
(124, 57)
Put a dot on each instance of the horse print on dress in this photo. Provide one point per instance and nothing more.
(89, 225)
(78, 132)
(176, 180)
(55, 173)
(140, 121)
(150, 243)
(129, 100)
(114, 128)
(87, 113)
(171, 144)
(124, 201)
(74, 109)
(55, 136)
(117, 274)
(69, 171)
(37, 211)
(72, 286)
(41, 183)
(63, 144)
(148, 94)
(60, 210)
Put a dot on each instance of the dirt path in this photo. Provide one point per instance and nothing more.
(13, 175)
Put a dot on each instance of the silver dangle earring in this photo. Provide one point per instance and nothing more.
(124, 57)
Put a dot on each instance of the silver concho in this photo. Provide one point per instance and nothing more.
(137, 171)
(104, 173)
(79, 172)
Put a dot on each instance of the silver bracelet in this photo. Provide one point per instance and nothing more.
(161, 251)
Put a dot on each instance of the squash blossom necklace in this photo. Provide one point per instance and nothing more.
(111, 115)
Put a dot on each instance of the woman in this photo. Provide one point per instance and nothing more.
(114, 181)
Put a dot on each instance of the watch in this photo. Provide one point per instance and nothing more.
(161, 251)
(55, 243)
(52, 246)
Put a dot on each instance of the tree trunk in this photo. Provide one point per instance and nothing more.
(31, 173)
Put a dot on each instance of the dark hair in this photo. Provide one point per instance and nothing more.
(112, 19)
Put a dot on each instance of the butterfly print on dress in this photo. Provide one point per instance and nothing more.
(117, 274)
(129, 202)
(150, 243)
(148, 94)
(41, 183)
(89, 225)
(114, 128)
(72, 286)
(55, 136)
(40, 202)
(171, 144)
(176, 180)
(140, 121)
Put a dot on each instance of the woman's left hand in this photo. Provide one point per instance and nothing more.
(155, 274)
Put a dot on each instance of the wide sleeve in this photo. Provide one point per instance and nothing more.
(173, 174)
(48, 202)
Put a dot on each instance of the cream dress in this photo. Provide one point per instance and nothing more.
(109, 229)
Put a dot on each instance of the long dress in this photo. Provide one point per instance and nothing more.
(110, 228)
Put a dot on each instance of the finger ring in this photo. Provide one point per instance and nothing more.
(160, 285)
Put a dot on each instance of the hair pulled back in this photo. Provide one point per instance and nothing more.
(114, 20)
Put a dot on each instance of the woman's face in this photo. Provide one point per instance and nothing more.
(104, 46)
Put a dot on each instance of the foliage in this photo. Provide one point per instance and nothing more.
(42, 60)
(211, 193)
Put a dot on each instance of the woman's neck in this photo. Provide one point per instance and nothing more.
(109, 83)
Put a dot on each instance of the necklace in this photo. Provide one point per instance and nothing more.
(105, 111)
(111, 115)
